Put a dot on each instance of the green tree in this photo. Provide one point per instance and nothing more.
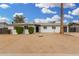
(19, 19)
(72, 23)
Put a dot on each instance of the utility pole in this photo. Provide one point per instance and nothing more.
(62, 18)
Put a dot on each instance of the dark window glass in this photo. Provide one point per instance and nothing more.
(53, 27)
(26, 27)
(45, 27)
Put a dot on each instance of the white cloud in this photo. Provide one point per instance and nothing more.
(39, 20)
(25, 3)
(56, 18)
(47, 20)
(69, 5)
(69, 12)
(4, 19)
(45, 10)
(4, 6)
(68, 16)
(17, 14)
(26, 20)
(75, 21)
(11, 3)
(75, 11)
(46, 5)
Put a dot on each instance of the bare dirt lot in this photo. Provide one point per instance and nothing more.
(40, 44)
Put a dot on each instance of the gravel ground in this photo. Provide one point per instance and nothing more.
(40, 44)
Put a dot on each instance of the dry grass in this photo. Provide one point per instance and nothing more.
(39, 44)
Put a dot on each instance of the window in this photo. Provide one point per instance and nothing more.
(53, 27)
(45, 27)
(26, 27)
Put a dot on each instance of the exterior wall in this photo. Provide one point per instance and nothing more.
(41, 29)
(57, 30)
(49, 29)
(77, 29)
(10, 27)
(26, 31)
(2, 25)
(13, 31)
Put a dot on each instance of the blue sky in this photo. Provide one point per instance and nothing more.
(45, 12)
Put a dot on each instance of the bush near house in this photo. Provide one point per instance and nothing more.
(19, 30)
(31, 30)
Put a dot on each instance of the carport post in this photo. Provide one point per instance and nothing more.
(67, 28)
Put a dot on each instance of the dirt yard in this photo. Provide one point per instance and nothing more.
(40, 44)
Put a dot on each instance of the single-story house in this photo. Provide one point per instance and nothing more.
(38, 27)
(74, 27)
(4, 28)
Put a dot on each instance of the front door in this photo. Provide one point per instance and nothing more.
(37, 28)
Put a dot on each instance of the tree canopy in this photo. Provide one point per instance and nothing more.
(70, 24)
(19, 19)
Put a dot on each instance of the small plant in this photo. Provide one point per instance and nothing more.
(31, 30)
(19, 30)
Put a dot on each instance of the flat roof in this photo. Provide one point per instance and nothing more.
(24, 24)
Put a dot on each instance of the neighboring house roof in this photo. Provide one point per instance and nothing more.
(3, 23)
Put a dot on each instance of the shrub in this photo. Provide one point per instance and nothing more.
(19, 30)
(31, 30)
